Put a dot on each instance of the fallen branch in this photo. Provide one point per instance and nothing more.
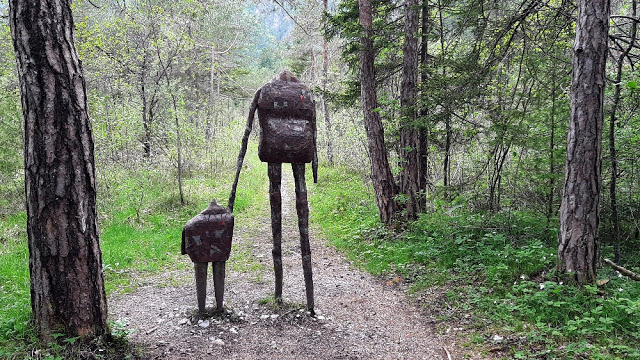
(622, 270)
(449, 357)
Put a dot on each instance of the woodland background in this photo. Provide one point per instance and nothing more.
(169, 86)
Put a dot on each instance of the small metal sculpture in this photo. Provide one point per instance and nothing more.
(207, 239)
(287, 118)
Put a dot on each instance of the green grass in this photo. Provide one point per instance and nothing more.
(496, 267)
(141, 221)
(15, 308)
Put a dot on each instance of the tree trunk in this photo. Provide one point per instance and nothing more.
(65, 262)
(383, 185)
(447, 117)
(447, 156)
(615, 226)
(325, 79)
(579, 213)
(146, 121)
(410, 132)
(552, 148)
(178, 145)
(424, 74)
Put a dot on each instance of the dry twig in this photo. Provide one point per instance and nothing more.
(623, 271)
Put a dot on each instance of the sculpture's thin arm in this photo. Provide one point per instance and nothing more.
(243, 148)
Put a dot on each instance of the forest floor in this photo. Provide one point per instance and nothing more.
(358, 316)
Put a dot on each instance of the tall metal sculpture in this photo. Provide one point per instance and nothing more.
(287, 118)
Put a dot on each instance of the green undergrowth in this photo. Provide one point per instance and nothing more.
(141, 220)
(490, 273)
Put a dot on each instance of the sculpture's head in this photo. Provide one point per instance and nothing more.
(287, 75)
(214, 209)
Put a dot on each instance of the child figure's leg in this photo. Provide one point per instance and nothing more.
(218, 283)
(302, 207)
(201, 284)
(275, 175)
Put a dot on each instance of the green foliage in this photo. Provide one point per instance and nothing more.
(497, 267)
(11, 182)
(141, 221)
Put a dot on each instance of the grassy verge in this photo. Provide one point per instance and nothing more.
(141, 221)
(491, 273)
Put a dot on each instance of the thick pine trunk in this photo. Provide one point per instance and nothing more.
(579, 213)
(410, 131)
(383, 185)
(67, 287)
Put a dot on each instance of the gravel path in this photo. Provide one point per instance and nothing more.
(358, 316)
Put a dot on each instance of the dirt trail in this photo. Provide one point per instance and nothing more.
(358, 316)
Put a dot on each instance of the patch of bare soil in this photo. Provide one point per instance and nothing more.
(357, 315)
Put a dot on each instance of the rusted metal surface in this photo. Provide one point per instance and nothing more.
(302, 207)
(275, 175)
(286, 113)
(218, 284)
(207, 237)
(201, 284)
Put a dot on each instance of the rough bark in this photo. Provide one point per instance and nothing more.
(579, 212)
(410, 131)
(65, 262)
(384, 186)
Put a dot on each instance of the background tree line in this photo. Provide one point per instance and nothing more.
(436, 104)
(489, 127)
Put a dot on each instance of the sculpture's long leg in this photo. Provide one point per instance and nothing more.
(302, 207)
(275, 175)
(201, 284)
(218, 283)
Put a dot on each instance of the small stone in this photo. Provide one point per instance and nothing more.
(183, 321)
(321, 317)
(264, 317)
(497, 338)
(218, 342)
(274, 316)
(233, 330)
(203, 324)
